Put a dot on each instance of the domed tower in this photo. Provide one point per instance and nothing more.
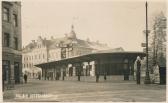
(72, 34)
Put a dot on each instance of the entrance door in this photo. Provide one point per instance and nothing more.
(16, 72)
(5, 72)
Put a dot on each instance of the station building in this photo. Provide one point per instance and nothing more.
(109, 63)
(45, 50)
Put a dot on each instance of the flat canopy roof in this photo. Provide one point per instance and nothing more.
(94, 56)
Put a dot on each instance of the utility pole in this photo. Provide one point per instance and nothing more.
(147, 78)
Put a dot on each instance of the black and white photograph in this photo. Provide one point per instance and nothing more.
(83, 50)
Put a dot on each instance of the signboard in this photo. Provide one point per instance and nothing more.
(149, 50)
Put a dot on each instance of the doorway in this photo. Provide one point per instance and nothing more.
(16, 72)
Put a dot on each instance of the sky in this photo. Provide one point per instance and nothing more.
(116, 23)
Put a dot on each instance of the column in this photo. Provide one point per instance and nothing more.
(62, 73)
(45, 73)
(42, 68)
(126, 69)
(74, 71)
(67, 70)
(97, 68)
(54, 73)
(79, 71)
(92, 68)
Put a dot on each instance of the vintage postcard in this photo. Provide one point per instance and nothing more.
(83, 50)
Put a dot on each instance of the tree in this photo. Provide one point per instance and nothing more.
(158, 41)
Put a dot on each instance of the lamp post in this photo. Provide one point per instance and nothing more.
(147, 78)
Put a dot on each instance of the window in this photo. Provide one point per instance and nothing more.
(15, 21)
(6, 39)
(15, 43)
(6, 14)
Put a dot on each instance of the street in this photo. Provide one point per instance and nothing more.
(63, 91)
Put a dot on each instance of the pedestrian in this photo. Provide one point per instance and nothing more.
(25, 78)
(39, 76)
(105, 76)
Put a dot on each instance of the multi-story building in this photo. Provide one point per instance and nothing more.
(11, 43)
(43, 50)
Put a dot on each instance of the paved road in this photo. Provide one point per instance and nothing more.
(117, 91)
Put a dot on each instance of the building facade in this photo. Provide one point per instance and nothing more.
(11, 43)
(43, 50)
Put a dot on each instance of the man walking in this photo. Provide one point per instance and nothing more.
(25, 78)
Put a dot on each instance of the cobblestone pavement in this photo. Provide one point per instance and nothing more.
(117, 91)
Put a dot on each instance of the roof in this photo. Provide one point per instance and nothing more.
(53, 43)
(95, 56)
(68, 39)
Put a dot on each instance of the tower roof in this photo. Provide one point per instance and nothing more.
(72, 34)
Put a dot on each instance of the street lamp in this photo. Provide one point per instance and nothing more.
(147, 78)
